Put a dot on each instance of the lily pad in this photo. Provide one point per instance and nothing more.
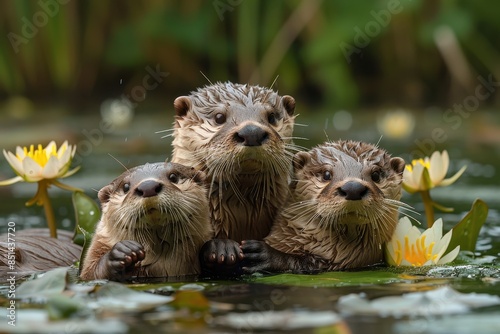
(440, 301)
(335, 279)
(465, 233)
(87, 216)
(117, 296)
(62, 307)
(37, 321)
(484, 323)
(279, 320)
(51, 283)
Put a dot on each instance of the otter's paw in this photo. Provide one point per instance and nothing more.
(220, 253)
(259, 256)
(123, 257)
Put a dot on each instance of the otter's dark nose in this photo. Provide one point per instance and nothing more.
(353, 191)
(148, 188)
(251, 135)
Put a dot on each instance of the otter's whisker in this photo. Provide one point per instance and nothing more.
(165, 130)
(119, 162)
(398, 203)
(294, 138)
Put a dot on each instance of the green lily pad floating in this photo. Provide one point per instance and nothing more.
(63, 307)
(38, 321)
(50, 284)
(87, 216)
(335, 278)
(465, 233)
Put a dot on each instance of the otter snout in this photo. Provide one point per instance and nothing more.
(149, 188)
(353, 190)
(251, 135)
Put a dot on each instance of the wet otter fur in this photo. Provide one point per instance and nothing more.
(241, 137)
(343, 207)
(154, 222)
(36, 251)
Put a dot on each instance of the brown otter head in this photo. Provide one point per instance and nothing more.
(159, 205)
(241, 136)
(231, 130)
(349, 188)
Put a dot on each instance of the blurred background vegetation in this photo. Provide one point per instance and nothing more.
(336, 53)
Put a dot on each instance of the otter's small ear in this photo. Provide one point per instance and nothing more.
(397, 164)
(182, 104)
(199, 177)
(288, 104)
(105, 193)
(300, 159)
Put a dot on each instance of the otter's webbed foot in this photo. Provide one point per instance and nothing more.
(220, 258)
(122, 259)
(260, 257)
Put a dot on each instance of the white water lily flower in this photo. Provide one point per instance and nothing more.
(34, 165)
(410, 247)
(427, 173)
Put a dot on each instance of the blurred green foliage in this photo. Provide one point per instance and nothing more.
(81, 49)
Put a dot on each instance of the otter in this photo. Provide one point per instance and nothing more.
(342, 208)
(154, 222)
(33, 250)
(241, 137)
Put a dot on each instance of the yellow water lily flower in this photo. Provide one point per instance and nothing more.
(410, 247)
(43, 166)
(34, 165)
(427, 173)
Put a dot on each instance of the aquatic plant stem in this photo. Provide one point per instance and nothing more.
(428, 207)
(44, 200)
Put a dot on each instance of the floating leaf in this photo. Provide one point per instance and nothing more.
(484, 323)
(440, 301)
(335, 278)
(62, 307)
(465, 233)
(87, 215)
(279, 320)
(49, 284)
(119, 297)
(37, 321)
(192, 287)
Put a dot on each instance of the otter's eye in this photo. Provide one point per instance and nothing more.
(272, 118)
(327, 176)
(173, 178)
(375, 176)
(220, 118)
(126, 187)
